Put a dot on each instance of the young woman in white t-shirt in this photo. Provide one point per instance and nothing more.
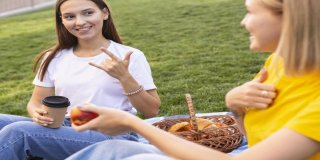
(88, 64)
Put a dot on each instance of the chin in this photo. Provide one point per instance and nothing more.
(253, 47)
(85, 38)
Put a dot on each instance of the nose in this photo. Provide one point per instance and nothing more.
(243, 21)
(80, 20)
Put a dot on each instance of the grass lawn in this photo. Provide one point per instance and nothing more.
(195, 47)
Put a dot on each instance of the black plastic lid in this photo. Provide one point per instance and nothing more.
(56, 101)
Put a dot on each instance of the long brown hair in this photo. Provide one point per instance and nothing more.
(67, 40)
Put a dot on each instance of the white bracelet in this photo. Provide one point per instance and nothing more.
(134, 92)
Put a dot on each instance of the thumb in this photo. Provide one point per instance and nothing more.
(90, 108)
(263, 75)
(127, 56)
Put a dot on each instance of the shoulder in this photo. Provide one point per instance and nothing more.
(59, 57)
(63, 53)
(59, 54)
(270, 59)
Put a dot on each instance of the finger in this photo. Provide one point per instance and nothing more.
(263, 75)
(44, 123)
(40, 122)
(110, 54)
(127, 56)
(262, 100)
(90, 108)
(78, 128)
(254, 105)
(266, 94)
(87, 126)
(271, 94)
(96, 65)
(262, 94)
(44, 119)
(267, 87)
(260, 105)
(41, 111)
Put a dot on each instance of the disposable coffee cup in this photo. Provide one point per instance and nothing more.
(56, 106)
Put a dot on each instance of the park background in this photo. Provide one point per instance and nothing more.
(195, 47)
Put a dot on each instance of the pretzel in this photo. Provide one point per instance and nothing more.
(192, 114)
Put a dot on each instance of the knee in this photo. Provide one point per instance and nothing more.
(6, 119)
(131, 147)
(22, 127)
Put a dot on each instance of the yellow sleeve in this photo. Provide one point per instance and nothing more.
(307, 122)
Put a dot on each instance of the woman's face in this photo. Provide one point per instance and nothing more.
(263, 25)
(83, 18)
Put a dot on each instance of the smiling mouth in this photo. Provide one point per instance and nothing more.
(251, 38)
(82, 29)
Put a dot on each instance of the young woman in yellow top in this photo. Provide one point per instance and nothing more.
(280, 109)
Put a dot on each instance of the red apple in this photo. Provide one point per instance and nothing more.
(79, 117)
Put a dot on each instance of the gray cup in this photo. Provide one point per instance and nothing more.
(56, 106)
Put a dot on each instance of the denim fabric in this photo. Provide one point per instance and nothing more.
(148, 156)
(19, 136)
(128, 150)
(115, 150)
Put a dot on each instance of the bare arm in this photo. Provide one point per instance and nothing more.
(34, 105)
(284, 144)
(146, 102)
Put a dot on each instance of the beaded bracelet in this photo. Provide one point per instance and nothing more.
(134, 92)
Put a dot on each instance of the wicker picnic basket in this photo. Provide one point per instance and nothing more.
(225, 137)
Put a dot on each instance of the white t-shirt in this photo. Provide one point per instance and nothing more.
(74, 78)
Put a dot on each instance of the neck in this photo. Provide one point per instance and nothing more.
(91, 47)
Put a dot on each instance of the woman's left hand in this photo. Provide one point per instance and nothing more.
(114, 66)
(109, 121)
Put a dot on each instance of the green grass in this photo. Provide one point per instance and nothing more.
(195, 47)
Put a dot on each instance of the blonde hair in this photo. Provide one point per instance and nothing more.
(299, 44)
(274, 5)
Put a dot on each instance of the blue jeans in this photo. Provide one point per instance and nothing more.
(128, 150)
(21, 138)
(119, 149)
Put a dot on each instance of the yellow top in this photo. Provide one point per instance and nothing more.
(296, 107)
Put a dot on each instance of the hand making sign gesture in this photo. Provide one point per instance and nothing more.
(114, 66)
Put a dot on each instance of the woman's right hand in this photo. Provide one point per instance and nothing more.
(110, 121)
(34, 107)
(39, 117)
(251, 95)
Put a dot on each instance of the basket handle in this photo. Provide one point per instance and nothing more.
(192, 114)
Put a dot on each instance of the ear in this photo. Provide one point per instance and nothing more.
(105, 13)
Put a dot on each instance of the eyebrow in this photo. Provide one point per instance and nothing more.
(88, 9)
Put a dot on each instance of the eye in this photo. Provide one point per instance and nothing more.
(88, 13)
(68, 17)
